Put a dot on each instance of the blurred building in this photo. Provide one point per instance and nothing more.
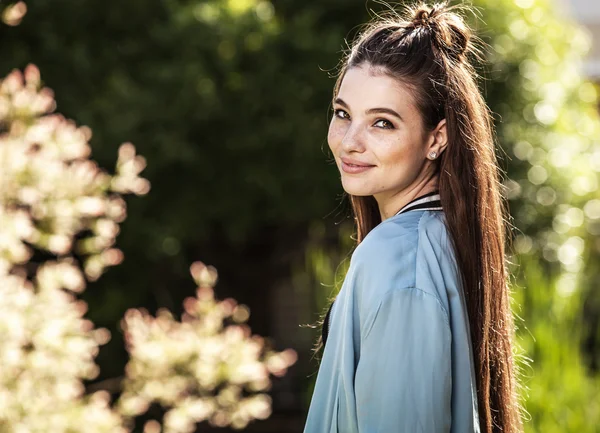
(587, 13)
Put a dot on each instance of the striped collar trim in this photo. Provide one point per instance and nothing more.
(430, 201)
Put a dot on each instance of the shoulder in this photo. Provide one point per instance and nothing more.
(398, 235)
(394, 244)
(433, 223)
(396, 253)
(436, 270)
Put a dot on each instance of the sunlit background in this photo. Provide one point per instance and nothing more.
(113, 317)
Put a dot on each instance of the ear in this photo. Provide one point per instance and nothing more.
(438, 139)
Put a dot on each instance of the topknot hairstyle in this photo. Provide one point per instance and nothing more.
(424, 42)
(449, 32)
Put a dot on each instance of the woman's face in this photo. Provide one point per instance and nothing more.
(377, 136)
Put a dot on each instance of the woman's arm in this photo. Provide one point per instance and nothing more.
(403, 379)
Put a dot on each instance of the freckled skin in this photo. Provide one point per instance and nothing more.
(402, 170)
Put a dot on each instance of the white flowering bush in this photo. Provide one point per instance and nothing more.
(50, 195)
(46, 349)
(199, 368)
(59, 218)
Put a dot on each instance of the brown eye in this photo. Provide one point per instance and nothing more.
(341, 114)
(386, 124)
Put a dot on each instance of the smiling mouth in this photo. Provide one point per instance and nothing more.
(354, 168)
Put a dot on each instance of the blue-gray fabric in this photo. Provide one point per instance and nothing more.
(398, 356)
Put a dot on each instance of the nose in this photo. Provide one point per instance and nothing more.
(353, 139)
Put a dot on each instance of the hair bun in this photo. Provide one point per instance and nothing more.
(448, 29)
(421, 17)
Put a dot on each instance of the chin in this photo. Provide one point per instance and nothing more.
(356, 189)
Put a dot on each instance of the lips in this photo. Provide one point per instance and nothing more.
(353, 166)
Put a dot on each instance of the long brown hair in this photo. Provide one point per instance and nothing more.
(429, 50)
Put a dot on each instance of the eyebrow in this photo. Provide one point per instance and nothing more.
(371, 110)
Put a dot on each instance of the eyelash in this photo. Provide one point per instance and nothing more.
(391, 126)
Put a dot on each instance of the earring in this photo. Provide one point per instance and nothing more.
(432, 155)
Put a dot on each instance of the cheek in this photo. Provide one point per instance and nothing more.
(399, 158)
(334, 135)
(392, 152)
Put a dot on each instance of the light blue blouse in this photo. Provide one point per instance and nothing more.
(398, 356)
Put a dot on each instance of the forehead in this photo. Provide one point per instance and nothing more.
(369, 87)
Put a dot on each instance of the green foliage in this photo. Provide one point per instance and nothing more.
(225, 101)
(559, 390)
(548, 126)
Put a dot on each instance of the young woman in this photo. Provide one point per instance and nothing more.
(419, 337)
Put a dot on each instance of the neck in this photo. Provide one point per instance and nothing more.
(390, 205)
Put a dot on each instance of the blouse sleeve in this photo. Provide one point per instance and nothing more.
(403, 379)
